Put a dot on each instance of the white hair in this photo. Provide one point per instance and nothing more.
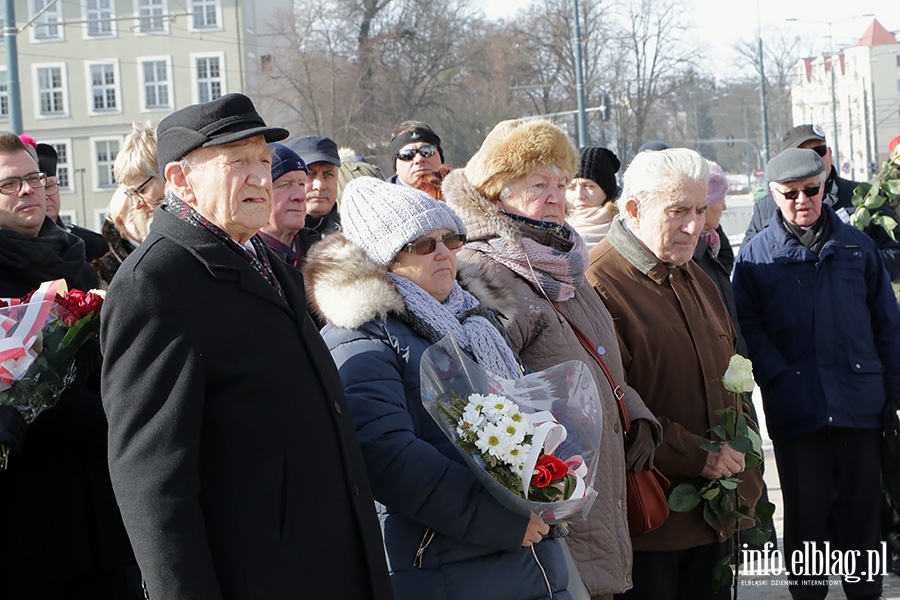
(653, 174)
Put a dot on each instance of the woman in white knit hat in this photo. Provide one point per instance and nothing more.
(387, 286)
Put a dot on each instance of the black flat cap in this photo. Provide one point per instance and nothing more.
(793, 164)
(47, 159)
(316, 148)
(229, 118)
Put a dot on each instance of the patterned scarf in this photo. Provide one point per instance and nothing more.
(459, 314)
(260, 262)
(711, 239)
(558, 269)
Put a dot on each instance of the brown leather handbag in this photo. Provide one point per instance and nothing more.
(648, 507)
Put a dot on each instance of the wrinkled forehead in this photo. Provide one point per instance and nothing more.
(799, 184)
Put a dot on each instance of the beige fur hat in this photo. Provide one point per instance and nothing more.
(514, 149)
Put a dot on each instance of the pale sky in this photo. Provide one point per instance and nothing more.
(720, 23)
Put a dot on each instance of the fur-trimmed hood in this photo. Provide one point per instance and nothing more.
(346, 287)
(482, 218)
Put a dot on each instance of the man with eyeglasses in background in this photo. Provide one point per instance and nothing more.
(822, 328)
(94, 244)
(323, 162)
(415, 152)
(838, 195)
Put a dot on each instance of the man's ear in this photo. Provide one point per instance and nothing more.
(631, 209)
(176, 176)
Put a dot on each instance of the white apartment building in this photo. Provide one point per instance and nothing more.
(858, 88)
(88, 68)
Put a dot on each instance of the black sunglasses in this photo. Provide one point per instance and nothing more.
(408, 154)
(792, 194)
(423, 247)
(821, 150)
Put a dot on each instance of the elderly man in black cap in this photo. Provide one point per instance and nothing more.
(822, 328)
(323, 162)
(232, 452)
(838, 194)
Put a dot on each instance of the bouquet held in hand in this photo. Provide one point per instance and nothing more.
(532, 442)
(40, 337)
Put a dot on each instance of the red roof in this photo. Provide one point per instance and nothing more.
(876, 35)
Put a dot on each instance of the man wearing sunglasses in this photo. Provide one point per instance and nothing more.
(838, 193)
(415, 151)
(822, 327)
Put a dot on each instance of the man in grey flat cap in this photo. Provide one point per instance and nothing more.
(232, 451)
(822, 327)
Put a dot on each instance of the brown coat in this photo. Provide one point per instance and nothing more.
(676, 340)
(601, 546)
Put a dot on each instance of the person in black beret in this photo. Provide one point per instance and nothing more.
(591, 194)
(232, 450)
(822, 327)
(94, 244)
(415, 151)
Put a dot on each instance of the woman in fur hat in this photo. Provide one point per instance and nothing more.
(387, 287)
(591, 195)
(523, 260)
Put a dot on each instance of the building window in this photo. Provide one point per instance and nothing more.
(898, 60)
(51, 90)
(208, 77)
(105, 151)
(62, 165)
(47, 24)
(151, 16)
(4, 96)
(155, 78)
(205, 13)
(103, 78)
(99, 17)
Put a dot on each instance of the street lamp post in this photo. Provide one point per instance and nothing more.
(12, 66)
(579, 79)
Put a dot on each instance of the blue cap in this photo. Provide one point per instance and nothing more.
(316, 148)
(285, 160)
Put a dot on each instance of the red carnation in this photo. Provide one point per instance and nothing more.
(557, 468)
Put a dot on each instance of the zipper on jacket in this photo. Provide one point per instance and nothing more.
(543, 572)
(420, 553)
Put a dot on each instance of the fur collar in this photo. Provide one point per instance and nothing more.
(346, 287)
(482, 218)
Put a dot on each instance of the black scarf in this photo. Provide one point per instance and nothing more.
(26, 261)
(813, 237)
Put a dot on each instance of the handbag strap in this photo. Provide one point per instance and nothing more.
(618, 392)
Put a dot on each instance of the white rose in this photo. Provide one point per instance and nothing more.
(739, 375)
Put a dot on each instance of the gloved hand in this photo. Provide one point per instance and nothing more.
(639, 446)
(12, 428)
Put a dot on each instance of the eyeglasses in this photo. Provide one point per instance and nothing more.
(793, 194)
(408, 154)
(821, 150)
(136, 191)
(423, 247)
(52, 187)
(14, 184)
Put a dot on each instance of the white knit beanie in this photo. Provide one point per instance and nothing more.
(382, 217)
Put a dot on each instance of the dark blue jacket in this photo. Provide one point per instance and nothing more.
(823, 331)
(423, 486)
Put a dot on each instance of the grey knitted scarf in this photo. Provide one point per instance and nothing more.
(457, 314)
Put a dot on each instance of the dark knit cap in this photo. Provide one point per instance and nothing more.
(600, 165)
(316, 148)
(47, 159)
(229, 118)
(654, 145)
(285, 160)
(793, 164)
(802, 134)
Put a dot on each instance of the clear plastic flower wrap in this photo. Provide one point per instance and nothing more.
(533, 442)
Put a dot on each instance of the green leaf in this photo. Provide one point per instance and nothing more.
(720, 431)
(764, 511)
(860, 218)
(683, 498)
(874, 199)
(710, 493)
(886, 223)
(752, 459)
(741, 444)
(729, 483)
(711, 518)
(891, 187)
(757, 535)
(860, 193)
(722, 573)
(728, 421)
(712, 447)
(756, 440)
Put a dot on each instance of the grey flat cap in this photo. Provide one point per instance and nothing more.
(794, 164)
